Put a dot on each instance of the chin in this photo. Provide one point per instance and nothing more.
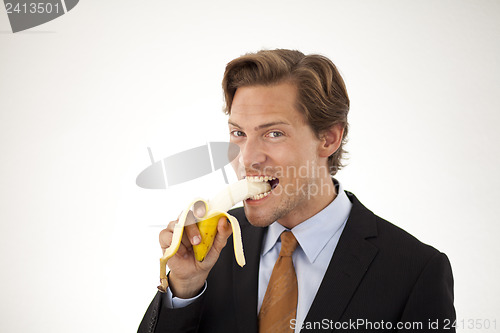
(259, 220)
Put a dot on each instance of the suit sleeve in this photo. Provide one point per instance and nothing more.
(161, 319)
(431, 299)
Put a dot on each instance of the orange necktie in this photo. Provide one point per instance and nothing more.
(280, 301)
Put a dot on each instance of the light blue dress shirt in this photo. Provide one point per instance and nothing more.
(317, 237)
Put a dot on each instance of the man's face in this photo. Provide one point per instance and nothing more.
(276, 141)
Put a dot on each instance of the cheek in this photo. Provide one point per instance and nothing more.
(301, 161)
(287, 164)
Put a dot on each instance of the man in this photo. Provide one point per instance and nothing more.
(347, 269)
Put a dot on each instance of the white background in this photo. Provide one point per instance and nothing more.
(82, 97)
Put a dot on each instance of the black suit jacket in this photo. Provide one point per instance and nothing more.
(379, 277)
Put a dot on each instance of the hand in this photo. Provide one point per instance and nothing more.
(187, 275)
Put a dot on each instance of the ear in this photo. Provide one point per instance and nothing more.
(330, 140)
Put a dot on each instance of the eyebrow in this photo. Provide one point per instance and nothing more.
(266, 125)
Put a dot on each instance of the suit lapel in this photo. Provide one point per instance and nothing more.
(245, 279)
(348, 265)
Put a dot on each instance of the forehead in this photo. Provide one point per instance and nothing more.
(260, 103)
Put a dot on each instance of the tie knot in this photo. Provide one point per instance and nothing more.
(288, 244)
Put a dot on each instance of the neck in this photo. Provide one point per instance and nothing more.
(312, 204)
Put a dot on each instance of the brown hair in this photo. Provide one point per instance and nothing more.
(322, 96)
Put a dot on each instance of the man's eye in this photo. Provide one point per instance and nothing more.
(275, 134)
(237, 133)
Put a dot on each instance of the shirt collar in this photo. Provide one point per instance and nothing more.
(314, 233)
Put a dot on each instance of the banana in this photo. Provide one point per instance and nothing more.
(208, 230)
(207, 214)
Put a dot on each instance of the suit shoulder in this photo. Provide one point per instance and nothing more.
(392, 237)
(385, 235)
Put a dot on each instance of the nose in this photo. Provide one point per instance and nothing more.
(252, 154)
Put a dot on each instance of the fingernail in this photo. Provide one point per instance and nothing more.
(196, 240)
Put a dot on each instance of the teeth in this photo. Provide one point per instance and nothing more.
(259, 178)
(256, 179)
(260, 196)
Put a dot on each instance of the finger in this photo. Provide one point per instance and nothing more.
(224, 227)
(186, 242)
(166, 242)
(199, 209)
(165, 238)
(171, 225)
(193, 234)
(182, 251)
(223, 232)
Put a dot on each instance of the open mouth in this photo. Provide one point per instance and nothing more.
(272, 181)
